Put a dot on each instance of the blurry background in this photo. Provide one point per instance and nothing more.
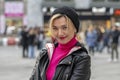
(17, 13)
(34, 14)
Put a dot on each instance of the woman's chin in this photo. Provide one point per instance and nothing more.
(62, 42)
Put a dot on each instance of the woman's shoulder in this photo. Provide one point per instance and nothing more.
(83, 48)
(83, 52)
(43, 52)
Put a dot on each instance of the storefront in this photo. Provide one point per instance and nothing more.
(117, 15)
(14, 15)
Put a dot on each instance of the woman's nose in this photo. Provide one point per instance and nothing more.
(60, 32)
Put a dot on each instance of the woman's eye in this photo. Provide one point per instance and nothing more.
(64, 28)
(54, 28)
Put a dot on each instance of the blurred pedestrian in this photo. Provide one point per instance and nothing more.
(24, 41)
(115, 33)
(40, 38)
(106, 39)
(67, 59)
(99, 40)
(91, 39)
(31, 43)
(81, 37)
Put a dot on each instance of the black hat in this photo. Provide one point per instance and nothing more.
(69, 12)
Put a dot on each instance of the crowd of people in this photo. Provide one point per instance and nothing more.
(99, 38)
(29, 38)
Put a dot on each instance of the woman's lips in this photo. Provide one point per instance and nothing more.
(62, 38)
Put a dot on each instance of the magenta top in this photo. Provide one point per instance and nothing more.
(59, 53)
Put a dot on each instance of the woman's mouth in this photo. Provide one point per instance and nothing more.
(62, 38)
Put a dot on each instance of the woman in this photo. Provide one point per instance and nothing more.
(67, 59)
(91, 38)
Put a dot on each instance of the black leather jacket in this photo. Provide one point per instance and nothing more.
(75, 66)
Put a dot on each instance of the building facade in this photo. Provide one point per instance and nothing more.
(37, 12)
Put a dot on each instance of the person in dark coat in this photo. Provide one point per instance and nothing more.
(31, 43)
(67, 59)
(115, 33)
(24, 41)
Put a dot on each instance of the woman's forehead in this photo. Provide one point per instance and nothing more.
(60, 21)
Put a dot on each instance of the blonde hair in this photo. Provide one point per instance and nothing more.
(56, 16)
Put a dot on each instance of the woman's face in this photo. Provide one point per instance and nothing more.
(62, 30)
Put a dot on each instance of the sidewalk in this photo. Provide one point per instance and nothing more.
(14, 67)
(103, 69)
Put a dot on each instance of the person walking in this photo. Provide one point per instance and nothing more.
(115, 33)
(67, 59)
(91, 39)
(31, 43)
(24, 41)
(41, 39)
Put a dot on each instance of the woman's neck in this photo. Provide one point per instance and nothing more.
(69, 44)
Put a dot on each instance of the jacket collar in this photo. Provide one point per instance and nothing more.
(50, 47)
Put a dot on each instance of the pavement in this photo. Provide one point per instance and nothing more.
(104, 69)
(14, 67)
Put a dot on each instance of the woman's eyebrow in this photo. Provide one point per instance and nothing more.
(54, 26)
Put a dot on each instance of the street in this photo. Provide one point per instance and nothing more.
(102, 69)
(14, 67)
